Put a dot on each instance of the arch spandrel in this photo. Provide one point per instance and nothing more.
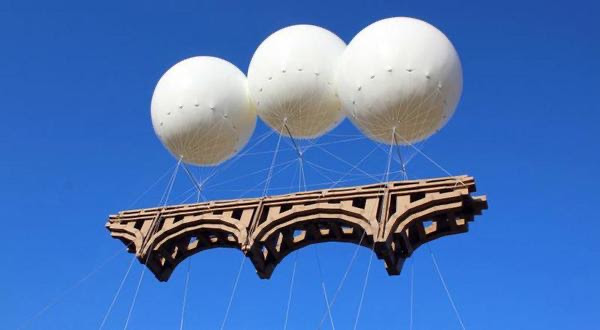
(395, 218)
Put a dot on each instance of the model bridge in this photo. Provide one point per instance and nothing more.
(393, 219)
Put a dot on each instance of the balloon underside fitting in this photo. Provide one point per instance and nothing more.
(201, 110)
(290, 79)
(399, 74)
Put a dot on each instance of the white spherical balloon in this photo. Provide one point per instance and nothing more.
(201, 110)
(399, 74)
(290, 79)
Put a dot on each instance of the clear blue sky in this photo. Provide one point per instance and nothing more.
(77, 145)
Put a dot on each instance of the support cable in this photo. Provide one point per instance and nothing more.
(301, 179)
(233, 290)
(437, 269)
(349, 267)
(237, 278)
(315, 249)
(270, 173)
(366, 280)
(187, 280)
(75, 285)
(150, 233)
(185, 293)
(324, 289)
(428, 158)
(289, 301)
(116, 296)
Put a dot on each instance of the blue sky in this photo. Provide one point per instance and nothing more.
(77, 145)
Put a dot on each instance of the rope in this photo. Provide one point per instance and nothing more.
(235, 284)
(63, 294)
(364, 288)
(237, 278)
(437, 269)
(116, 296)
(323, 287)
(343, 280)
(301, 181)
(185, 291)
(404, 173)
(349, 267)
(302, 176)
(289, 301)
(366, 280)
(270, 173)
(150, 187)
(429, 158)
(187, 278)
(150, 232)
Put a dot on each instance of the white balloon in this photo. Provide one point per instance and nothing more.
(290, 79)
(201, 110)
(399, 74)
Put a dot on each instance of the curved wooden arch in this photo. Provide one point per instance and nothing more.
(393, 219)
(306, 225)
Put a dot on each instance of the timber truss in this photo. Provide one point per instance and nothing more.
(392, 219)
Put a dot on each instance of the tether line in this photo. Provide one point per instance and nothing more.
(233, 290)
(366, 280)
(116, 296)
(437, 269)
(237, 278)
(150, 233)
(62, 295)
(185, 293)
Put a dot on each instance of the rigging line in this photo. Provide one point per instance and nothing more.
(163, 199)
(74, 286)
(437, 269)
(300, 159)
(185, 291)
(419, 145)
(316, 144)
(268, 182)
(320, 185)
(224, 182)
(197, 185)
(431, 160)
(255, 187)
(404, 174)
(293, 141)
(216, 170)
(347, 163)
(230, 162)
(323, 287)
(366, 280)
(364, 288)
(343, 280)
(150, 187)
(289, 302)
(150, 233)
(116, 296)
(187, 279)
(233, 290)
(291, 289)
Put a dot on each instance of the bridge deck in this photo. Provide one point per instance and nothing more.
(392, 218)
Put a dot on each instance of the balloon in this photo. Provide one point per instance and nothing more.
(399, 75)
(201, 110)
(290, 79)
